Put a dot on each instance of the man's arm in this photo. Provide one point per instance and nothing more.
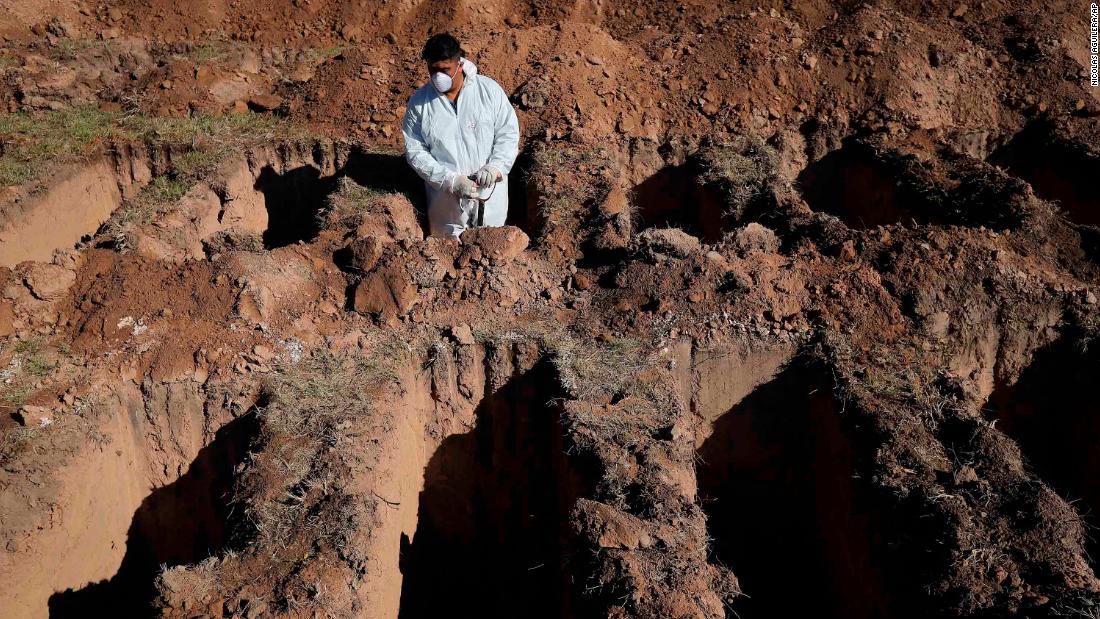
(419, 155)
(506, 138)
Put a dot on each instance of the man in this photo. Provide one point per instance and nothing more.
(461, 137)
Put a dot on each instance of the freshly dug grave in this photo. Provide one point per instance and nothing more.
(145, 484)
(794, 304)
(493, 512)
(1048, 412)
(784, 505)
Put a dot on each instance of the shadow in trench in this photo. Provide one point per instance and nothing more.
(386, 173)
(183, 522)
(293, 200)
(775, 480)
(520, 198)
(674, 198)
(1053, 414)
(850, 184)
(492, 515)
(1058, 171)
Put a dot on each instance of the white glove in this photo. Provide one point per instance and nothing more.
(463, 187)
(487, 175)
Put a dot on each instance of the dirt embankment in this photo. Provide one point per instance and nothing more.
(794, 315)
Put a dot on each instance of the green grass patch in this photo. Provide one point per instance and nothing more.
(324, 53)
(37, 366)
(567, 178)
(68, 48)
(28, 347)
(33, 143)
(14, 395)
(207, 52)
(142, 209)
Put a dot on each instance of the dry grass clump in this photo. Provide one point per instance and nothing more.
(744, 168)
(308, 408)
(289, 501)
(33, 144)
(618, 369)
(567, 178)
(345, 206)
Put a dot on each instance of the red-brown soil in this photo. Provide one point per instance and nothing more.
(795, 314)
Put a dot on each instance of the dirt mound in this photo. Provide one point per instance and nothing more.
(794, 314)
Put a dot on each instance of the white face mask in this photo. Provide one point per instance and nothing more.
(442, 81)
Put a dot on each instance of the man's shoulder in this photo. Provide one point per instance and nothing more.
(490, 85)
(421, 96)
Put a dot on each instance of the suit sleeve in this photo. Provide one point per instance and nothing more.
(419, 155)
(506, 137)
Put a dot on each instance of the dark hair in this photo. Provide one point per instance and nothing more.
(441, 47)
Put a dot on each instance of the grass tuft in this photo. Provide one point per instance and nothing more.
(309, 407)
(744, 167)
(588, 370)
(34, 143)
(553, 165)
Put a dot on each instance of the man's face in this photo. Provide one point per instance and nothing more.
(450, 67)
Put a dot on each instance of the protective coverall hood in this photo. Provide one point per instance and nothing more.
(442, 143)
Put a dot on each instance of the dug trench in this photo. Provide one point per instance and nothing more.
(182, 522)
(785, 508)
(148, 487)
(491, 534)
(1058, 170)
(1052, 414)
(466, 493)
(75, 204)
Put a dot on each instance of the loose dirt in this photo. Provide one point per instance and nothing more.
(795, 314)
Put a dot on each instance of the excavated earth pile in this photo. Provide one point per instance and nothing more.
(795, 314)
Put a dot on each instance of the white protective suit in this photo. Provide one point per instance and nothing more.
(440, 143)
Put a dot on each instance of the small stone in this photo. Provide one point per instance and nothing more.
(37, 416)
(48, 281)
(352, 33)
(463, 334)
(667, 241)
(937, 323)
(263, 353)
(959, 11)
(364, 253)
(387, 293)
(966, 475)
(848, 251)
(500, 244)
(265, 103)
